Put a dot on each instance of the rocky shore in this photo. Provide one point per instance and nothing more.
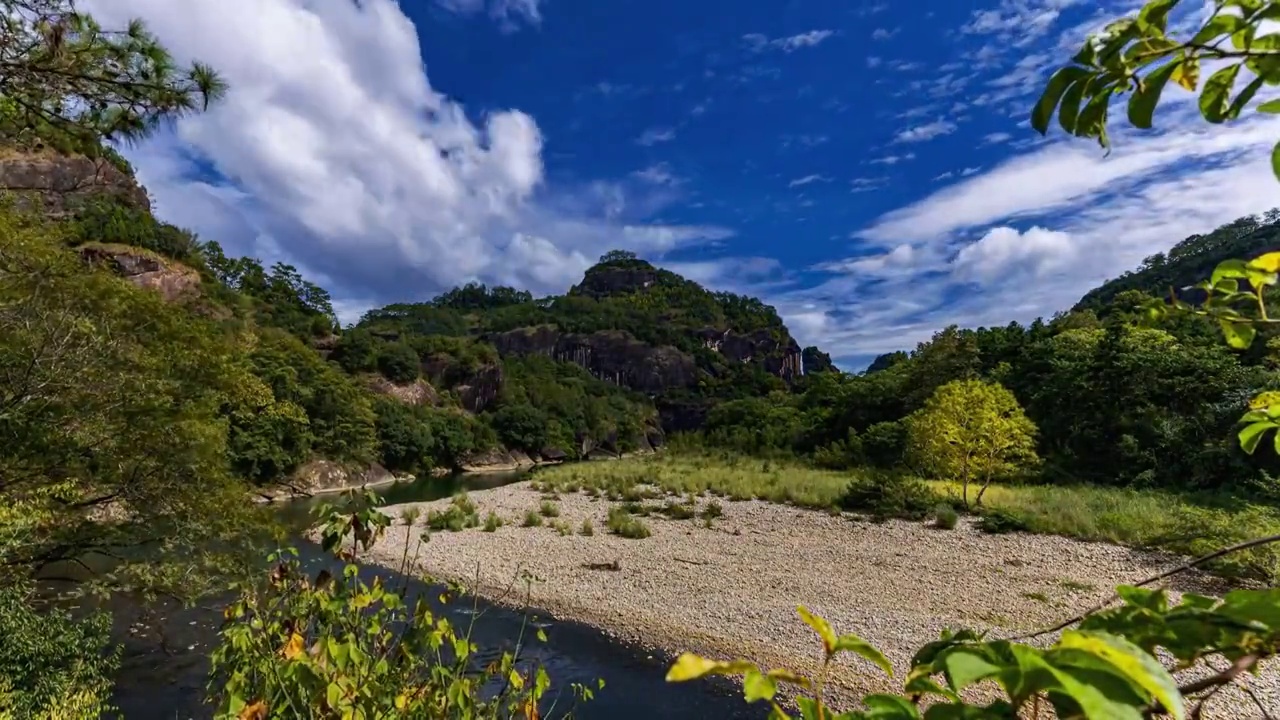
(731, 589)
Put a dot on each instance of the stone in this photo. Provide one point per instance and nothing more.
(145, 269)
(418, 392)
(54, 184)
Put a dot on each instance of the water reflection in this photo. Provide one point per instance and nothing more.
(166, 682)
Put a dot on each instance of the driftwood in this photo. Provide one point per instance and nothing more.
(612, 565)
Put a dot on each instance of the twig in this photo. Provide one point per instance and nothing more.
(691, 562)
(1155, 578)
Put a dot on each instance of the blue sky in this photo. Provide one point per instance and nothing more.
(865, 166)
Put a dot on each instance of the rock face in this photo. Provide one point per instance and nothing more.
(325, 476)
(418, 392)
(497, 461)
(816, 361)
(172, 280)
(53, 184)
(780, 357)
(610, 355)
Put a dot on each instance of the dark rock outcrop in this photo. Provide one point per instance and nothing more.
(481, 389)
(325, 476)
(145, 269)
(611, 355)
(616, 279)
(816, 361)
(54, 184)
(497, 460)
(780, 356)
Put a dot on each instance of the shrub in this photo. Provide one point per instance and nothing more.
(627, 525)
(587, 528)
(1000, 521)
(945, 517)
(887, 495)
(304, 644)
(460, 515)
(712, 511)
(532, 519)
(679, 511)
(549, 509)
(398, 362)
(492, 522)
(562, 527)
(51, 665)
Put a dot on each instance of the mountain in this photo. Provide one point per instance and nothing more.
(477, 374)
(1191, 260)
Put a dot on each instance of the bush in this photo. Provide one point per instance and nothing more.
(562, 527)
(52, 665)
(890, 495)
(945, 517)
(460, 515)
(398, 362)
(999, 522)
(627, 525)
(712, 511)
(405, 442)
(492, 522)
(587, 528)
(531, 519)
(549, 509)
(679, 511)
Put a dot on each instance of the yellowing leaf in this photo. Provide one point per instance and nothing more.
(1187, 73)
(820, 626)
(1133, 662)
(691, 667)
(516, 680)
(255, 711)
(1269, 262)
(756, 686)
(1238, 335)
(293, 649)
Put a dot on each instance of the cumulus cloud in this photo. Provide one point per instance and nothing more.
(807, 179)
(892, 159)
(883, 33)
(333, 151)
(1006, 252)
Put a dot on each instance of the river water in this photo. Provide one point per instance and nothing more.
(165, 662)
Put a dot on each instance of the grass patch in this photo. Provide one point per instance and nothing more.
(678, 511)
(1074, 586)
(945, 517)
(492, 522)
(1037, 596)
(460, 515)
(587, 528)
(1154, 519)
(712, 511)
(549, 509)
(532, 519)
(627, 525)
(562, 527)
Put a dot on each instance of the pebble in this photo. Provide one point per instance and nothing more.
(896, 584)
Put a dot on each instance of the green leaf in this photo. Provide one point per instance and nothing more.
(1238, 335)
(1270, 106)
(1275, 160)
(1058, 84)
(758, 686)
(1156, 13)
(964, 667)
(1229, 269)
(1243, 99)
(1135, 664)
(1251, 435)
(820, 626)
(889, 707)
(1216, 95)
(863, 649)
(810, 709)
(1069, 109)
(1093, 118)
(1142, 103)
(1221, 24)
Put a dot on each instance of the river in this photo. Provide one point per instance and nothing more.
(165, 680)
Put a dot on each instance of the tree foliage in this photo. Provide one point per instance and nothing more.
(971, 431)
(67, 82)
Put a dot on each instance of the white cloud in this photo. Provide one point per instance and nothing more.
(798, 182)
(332, 150)
(657, 174)
(944, 176)
(506, 11)
(867, 184)
(1005, 252)
(928, 131)
(656, 135)
(873, 61)
(757, 42)
(892, 159)
(883, 33)
(996, 137)
(966, 172)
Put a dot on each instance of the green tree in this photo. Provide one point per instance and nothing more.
(398, 362)
(972, 431)
(67, 82)
(405, 440)
(110, 436)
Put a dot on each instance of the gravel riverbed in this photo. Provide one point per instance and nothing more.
(732, 589)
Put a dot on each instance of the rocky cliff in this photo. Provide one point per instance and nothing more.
(174, 281)
(610, 355)
(780, 356)
(54, 184)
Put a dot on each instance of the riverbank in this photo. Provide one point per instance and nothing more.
(731, 589)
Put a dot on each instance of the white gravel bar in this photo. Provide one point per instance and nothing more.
(732, 590)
